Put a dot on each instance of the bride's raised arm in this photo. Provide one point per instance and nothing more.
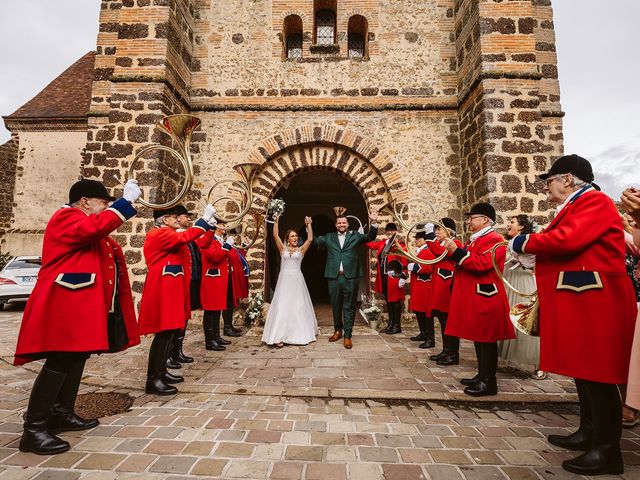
(276, 233)
(307, 243)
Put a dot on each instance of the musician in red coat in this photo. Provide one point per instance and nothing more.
(479, 308)
(192, 262)
(237, 285)
(390, 279)
(421, 277)
(216, 293)
(587, 309)
(165, 307)
(441, 283)
(81, 304)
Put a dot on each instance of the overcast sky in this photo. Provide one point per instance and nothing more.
(598, 53)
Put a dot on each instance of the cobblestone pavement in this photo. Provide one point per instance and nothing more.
(320, 412)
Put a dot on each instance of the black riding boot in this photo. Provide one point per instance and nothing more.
(210, 343)
(487, 385)
(603, 456)
(36, 437)
(395, 323)
(581, 438)
(177, 353)
(422, 336)
(229, 329)
(157, 366)
(167, 377)
(451, 348)
(472, 381)
(442, 318)
(63, 417)
(429, 341)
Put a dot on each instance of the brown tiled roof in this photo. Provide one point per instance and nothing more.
(67, 96)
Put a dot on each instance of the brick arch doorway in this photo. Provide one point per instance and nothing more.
(315, 193)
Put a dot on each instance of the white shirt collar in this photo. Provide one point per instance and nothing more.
(480, 233)
(419, 249)
(570, 197)
(341, 234)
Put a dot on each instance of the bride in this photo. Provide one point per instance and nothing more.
(291, 318)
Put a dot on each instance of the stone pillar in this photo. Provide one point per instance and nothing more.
(143, 72)
(507, 134)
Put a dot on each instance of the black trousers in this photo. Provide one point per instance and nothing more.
(600, 406)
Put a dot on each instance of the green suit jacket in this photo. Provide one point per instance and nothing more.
(348, 254)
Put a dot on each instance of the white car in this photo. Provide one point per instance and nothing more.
(18, 278)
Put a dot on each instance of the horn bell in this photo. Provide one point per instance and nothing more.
(339, 211)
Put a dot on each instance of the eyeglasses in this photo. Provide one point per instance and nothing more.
(549, 180)
(471, 217)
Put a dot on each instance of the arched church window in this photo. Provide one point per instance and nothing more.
(292, 33)
(357, 36)
(325, 27)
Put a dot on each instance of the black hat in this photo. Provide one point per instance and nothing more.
(573, 164)
(182, 210)
(177, 210)
(449, 223)
(391, 227)
(485, 209)
(89, 189)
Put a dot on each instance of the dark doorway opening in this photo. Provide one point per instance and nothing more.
(315, 193)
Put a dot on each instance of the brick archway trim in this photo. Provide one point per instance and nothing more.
(378, 162)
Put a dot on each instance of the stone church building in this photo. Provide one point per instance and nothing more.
(340, 102)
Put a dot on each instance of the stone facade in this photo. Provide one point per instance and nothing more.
(453, 101)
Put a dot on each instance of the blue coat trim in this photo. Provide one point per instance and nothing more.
(459, 255)
(123, 209)
(203, 224)
(173, 270)
(579, 281)
(519, 243)
(226, 246)
(213, 272)
(75, 281)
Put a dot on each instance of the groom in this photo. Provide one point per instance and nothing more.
(343, 272)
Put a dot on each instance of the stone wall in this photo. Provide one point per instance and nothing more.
(8, 168)
(47, 164)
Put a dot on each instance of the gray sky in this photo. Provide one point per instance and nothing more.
(597, 43)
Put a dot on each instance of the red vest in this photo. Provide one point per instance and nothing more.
(165, 298)
(69, 306)
(479, 309)
(587, 303)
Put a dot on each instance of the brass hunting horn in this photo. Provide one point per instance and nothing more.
(247, 173)
(258, 225)
(179, 127)
(391, 210)
(523, 315)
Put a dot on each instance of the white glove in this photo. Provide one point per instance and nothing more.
(213, 222)
(401, 283)
(131, 191)
(428, 228)
(411, 267)
(230, 241)
(361, 230)
(209, 212)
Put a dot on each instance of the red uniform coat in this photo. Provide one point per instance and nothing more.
(421, 278)
(215, 277)
(479, 309)
(69, 306)
(587, 303)
(394, 292)
(239, 274)
(201, 242)
(165, 297)
(442, 278)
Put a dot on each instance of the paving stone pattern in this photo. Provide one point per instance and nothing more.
(221, 434)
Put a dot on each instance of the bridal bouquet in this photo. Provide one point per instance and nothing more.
(276, 207)
(370, 311)
(254, 309)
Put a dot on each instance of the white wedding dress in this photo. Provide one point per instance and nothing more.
(291, 318)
